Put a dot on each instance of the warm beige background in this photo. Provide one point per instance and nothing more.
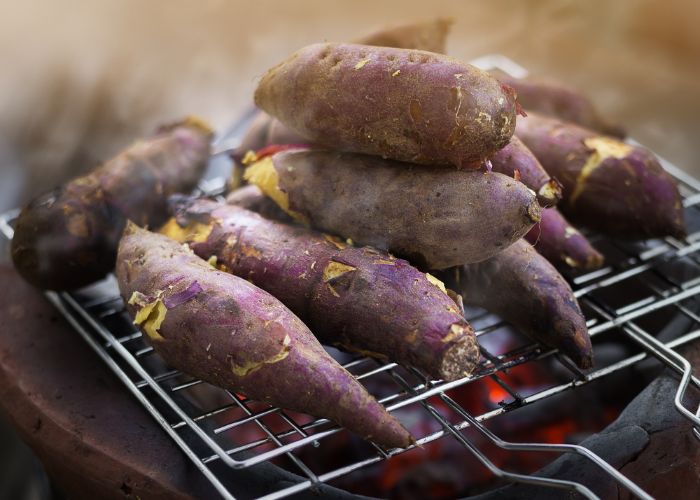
(80, 78)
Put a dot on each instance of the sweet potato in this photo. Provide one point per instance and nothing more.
(228, 332)
(514, 157)
(358, 299)
(402, 104)
(436, 218)
(609, 186)
(426, 35)
(68, 237)
(557, 100)
(562, 244)
(524, 289)
(515, 160)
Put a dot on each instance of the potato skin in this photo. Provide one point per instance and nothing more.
(609, 186)
(557, 100)
(517, 157)
(68, 238)
(358, 299)
(406, 105)
(524, 289)
(562, 244)
(226, 331)
(435, 218)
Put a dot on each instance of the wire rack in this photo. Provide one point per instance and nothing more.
(630, 301)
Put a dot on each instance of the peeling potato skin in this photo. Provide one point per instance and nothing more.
(68, 238)
(561, 244)
(517, 157)
(523, 288)
(630, 197)
(406, 105)
(232, 323)
(357, 299)
(435, 218)
(554, 99)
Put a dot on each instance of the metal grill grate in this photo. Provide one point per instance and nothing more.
(642, 289)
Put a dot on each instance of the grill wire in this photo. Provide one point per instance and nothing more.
(98, 315)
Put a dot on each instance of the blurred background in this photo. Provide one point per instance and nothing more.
(81, 79)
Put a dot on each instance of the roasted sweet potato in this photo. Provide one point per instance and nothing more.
(557, 100)
(436, 218)
(226, 331)
(524, 289)
(609, 186)
(358, 299)
(402, 104)
(515, 160)
(68, 237)
(427, 35)
(562, 244)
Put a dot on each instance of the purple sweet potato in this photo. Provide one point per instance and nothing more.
(516, 157)
(562, 244)
(228, 332)
(406, 105)
(436, 218)
(358, 299)
(426, 35)
(68, 237)
(610, 186)
(557, 100)
(524, 289)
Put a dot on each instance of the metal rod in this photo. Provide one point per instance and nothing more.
(493, 468)
(546, 447)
